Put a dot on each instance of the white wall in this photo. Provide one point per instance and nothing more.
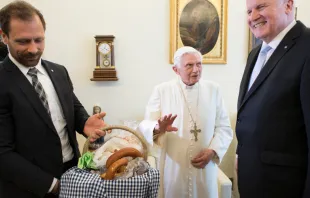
(141, 28)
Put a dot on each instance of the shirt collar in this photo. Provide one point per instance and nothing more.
(25, 69)
(186, 87)
(276, 41)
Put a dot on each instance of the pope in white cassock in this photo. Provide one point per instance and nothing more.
(186, 119)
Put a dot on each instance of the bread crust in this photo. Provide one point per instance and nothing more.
(124, 152)
(110, 173)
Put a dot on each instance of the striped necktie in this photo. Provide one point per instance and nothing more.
(261, 60)
(39, 89)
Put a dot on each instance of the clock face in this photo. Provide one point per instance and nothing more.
(104, 48)
(106, 62)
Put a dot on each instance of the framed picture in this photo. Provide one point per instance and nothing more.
(201, 24)
(253, 41)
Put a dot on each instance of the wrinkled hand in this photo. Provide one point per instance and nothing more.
(93, 126)
(203, 158)
(165, 124)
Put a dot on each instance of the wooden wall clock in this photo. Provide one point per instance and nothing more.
(105, 62)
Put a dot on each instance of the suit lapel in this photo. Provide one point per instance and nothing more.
(29, 92)
(247, 74)
(285, 45)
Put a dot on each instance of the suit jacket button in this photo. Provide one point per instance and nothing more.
(238, 120)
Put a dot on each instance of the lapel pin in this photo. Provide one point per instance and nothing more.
(285, 47)
(52, 70)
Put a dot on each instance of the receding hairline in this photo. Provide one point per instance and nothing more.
(19, 10)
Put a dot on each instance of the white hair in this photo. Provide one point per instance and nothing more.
(181, 52)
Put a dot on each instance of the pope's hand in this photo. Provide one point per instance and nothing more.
(203, 158)
(93, 126)
(165, 124)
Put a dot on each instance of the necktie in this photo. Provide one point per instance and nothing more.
(261, 60)
(38, 87)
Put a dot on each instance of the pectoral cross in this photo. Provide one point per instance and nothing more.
(195, 131)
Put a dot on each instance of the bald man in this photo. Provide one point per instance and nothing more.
(273, 123)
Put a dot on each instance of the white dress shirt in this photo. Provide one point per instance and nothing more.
(276, 41)
(54, 106)
(273, 44)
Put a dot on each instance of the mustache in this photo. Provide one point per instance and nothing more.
(32, 55)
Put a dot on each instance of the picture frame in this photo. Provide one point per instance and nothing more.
(202, 25)
(254, 42)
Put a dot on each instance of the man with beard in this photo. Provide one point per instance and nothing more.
(187, 120)
(273, 123)
(39, 112)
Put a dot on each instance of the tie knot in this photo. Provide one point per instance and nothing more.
(32, 72)
(266, 49)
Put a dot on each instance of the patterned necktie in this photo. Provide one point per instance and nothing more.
(261, 60)
(39, 89)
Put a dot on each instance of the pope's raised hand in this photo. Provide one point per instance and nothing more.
(93, 126)
(165, 124)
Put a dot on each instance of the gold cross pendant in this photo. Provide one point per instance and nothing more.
(195, 131)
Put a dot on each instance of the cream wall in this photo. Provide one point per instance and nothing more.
(141, 30)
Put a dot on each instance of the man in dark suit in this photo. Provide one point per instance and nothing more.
(39, 112)
(273, 121)
(3, 51)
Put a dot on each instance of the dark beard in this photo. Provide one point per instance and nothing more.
(29, 59)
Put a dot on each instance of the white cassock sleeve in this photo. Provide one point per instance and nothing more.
(223, 133)
(152, 114)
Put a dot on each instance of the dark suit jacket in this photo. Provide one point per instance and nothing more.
(3, 51)
(30, 148)
(273, 122)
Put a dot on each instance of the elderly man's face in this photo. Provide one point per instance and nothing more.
(267, 18)
(189, 69)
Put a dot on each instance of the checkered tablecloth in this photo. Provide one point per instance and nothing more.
(78, 183)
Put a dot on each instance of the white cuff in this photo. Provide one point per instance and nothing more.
(53, 185)
(146, 127)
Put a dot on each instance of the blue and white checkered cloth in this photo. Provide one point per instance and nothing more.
(78, 183)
